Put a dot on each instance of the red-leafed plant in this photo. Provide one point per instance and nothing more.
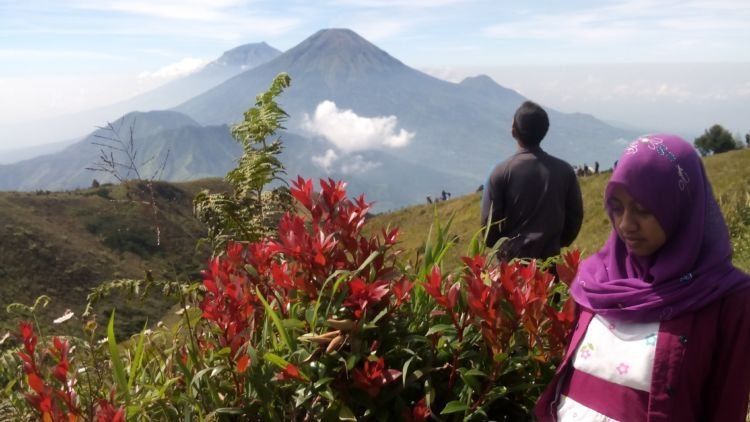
(357, 334)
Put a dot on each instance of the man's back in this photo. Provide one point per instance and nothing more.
(537, 200)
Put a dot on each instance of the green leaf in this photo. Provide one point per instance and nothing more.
(474, 372)
(441, 328)
(380, 315)
(322, 382)
(114, 355)
(314, 319)
(276, 360)
(366, 263)
(454, 406)
(293, 323)
(199, 375)
(405, 370)
(229, 411)
(138, 359)
(351, 361)
(470, 381)
(290, 342)
(346, 414)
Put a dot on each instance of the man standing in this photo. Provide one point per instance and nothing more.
(532, 198)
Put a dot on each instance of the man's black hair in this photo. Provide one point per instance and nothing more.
(530, 124)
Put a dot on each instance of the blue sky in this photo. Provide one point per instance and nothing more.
(39, 36)
(59, 56)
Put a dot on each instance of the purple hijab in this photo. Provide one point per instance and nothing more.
(692, 269)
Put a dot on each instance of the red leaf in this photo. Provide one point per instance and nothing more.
(35, 383)
(453, 294)
(26, 330)
(61, 371)
(293, 372)
(290, 372)
(320, 259)
(242, 363)
(119, 416)
(420, 412)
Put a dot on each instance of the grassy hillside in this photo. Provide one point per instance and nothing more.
(729, 174)
(62, 244)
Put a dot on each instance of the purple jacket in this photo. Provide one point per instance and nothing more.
(701, 366)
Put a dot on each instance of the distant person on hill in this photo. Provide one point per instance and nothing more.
(662, 326)
(532, 198)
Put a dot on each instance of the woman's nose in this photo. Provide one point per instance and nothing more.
(628, 223)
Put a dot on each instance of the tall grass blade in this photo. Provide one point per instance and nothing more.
(289, 342)
(137, 359)
(114, 355)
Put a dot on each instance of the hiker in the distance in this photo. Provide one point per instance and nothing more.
(532, 198)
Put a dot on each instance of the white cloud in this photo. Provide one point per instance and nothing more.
(350, 132)
(176, 70)
(169, 9)
(349, 164)
(358, 165)
(325, 161)
(231, 20)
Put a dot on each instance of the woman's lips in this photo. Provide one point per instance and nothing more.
(632, 242)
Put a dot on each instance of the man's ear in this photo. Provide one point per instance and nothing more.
(513, 131)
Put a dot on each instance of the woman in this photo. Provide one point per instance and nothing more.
(663, 322)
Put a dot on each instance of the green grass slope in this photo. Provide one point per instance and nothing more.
(729, 174)
(62, 244)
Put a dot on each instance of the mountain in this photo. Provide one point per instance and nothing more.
(177, 148)
(75, 125)
(445, 135)
(461, 129)
(14, 155)
(191, 148)
(231, 63)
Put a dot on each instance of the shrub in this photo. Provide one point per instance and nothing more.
(716, 140)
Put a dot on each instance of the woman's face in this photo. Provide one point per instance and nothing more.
(635, 225)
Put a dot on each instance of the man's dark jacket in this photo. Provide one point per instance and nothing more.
(535, 201)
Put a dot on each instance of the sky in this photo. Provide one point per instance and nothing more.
(674, 65)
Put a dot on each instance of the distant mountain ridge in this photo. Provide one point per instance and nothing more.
(457, 131)
(77, 125)
(469, 120)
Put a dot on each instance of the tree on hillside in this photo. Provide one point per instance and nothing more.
(119, 158)
(747, 139)
(251, 211)
(716, 140)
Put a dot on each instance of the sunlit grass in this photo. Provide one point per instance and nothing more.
(729, 174)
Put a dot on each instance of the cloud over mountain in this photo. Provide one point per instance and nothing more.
(351, 132)
(184, 67)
